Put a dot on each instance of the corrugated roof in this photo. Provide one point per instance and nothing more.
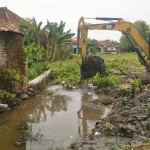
(9, 21)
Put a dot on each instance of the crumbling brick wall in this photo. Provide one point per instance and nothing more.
(11, 51)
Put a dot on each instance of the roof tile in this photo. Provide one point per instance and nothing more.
(9, 21)
(106, 43)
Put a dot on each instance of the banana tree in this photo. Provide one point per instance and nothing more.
(59, 37)
(36, 28)
(28, 54)
(64, 41)
(48, 35)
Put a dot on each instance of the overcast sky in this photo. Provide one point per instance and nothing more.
(70, 12)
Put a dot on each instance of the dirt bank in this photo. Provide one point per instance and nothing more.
(127, 125)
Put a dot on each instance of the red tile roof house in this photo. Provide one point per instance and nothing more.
(11, 41)
(74, 44)
(107, 47)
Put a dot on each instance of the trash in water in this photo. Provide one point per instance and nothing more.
(97, 133)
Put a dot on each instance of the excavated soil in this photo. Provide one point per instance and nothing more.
(130, 118)
(91, 65)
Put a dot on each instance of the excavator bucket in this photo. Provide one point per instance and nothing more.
(91, 65)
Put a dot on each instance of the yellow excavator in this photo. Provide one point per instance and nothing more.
(118, 24)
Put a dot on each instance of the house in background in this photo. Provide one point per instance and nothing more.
(107, 47)
(74, 44)
(11, 41)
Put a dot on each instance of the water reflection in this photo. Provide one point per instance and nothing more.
(88, 113)
(53, 104)
(62, 117)
(58, 103)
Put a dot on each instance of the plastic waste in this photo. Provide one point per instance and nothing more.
(97, 133)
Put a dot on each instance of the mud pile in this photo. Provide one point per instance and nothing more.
(130, 118)
(91, 65)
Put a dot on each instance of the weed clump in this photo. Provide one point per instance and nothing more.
(107, 127)
(108, 81)
(106, 101)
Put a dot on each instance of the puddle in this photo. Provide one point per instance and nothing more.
(60, 119)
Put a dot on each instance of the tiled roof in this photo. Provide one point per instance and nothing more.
(7, 26)
(74, 39)
(9, 21)
(106, 43)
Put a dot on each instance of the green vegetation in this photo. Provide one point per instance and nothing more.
(144, 30)
(107, 81)
(11, 79)
(107, 101)
(124, 61)
(123, 101)
(37, 69)
(115, 147)
(107, 127)
(48, 43)
(67, 71)
(50, 48)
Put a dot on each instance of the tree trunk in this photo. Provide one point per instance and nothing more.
(54, 53)
(51, 51)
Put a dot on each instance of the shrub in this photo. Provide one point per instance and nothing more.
(37, 69)
(11, 79)
(67, 71)
(32, 74)
(108, 81)
(40, 67)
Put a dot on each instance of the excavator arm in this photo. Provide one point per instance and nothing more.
(127, 28)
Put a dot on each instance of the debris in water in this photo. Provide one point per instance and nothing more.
(97, 133)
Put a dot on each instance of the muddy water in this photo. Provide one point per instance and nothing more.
(59, 119)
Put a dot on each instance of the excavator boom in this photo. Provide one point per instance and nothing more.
(127, 28)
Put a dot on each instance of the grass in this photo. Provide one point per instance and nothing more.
(122, 60)
(69, 71)
(107, 81)
(37, 69)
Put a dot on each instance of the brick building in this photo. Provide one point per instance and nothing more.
(11, 41)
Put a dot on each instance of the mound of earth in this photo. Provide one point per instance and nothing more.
(91, 65)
